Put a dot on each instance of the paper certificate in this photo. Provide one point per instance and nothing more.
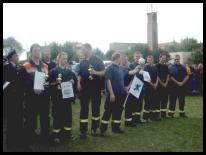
(39, 80)
(67, 90)
(146, 76)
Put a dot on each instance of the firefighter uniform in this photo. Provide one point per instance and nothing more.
(91, 90)
(134, 105)
(178, 72)
(61, 108)
(115, 74)
(14, 108)
(163, 72)
(34, 103)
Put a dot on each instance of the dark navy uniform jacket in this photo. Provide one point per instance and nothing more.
(98, 65)
(152, 70)
(163, 71)
(178, 71)
(67, 75)
(133, 65)
(127, 77)
(116, 75)
(51, 65)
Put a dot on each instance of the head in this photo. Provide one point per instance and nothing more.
(177, 59)
(200, 66)
(35, 51)
(13, 57)
(62, 58)
(124, 60)
(87, 50)
(137, 55)
(162, 58)
(141, 63)
(150, 59)
(116, 57)
(46, 53)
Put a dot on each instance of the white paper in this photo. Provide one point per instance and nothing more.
(6, 84)
(136, 87)
(146, 76)
(67, 90)
(39, 80)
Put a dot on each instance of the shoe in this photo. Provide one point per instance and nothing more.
(94, 133)
(118, 130)
(83, 135)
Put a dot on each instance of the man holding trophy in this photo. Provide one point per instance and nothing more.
(89, 78)
(63, 81)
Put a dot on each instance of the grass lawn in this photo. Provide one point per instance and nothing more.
(171, 135)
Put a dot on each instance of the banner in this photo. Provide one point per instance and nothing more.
(136, 87)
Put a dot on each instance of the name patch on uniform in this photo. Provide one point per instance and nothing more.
(67, 90)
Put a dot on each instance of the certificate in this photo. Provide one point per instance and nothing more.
(39, 80)
(146, 76)
(67, 90)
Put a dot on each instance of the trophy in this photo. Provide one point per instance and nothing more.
(90, 69)
(59, 79)
(46, 83)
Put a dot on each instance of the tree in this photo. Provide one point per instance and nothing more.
(108, 54)
(99, 53)
(11, 43)
(189, 44)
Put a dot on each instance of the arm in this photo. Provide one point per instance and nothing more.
(79, 87)
(185, 80)
(111, 93)
(134, 71)
(98, 73)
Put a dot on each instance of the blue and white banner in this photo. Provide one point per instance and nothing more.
(136, 87)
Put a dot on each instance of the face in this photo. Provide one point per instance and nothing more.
(124, 60)
(86, 52)
(63, 60)
(163, 59)
(15, 58)
(47, 55)
(137, 56)
(150, 60)
(177, 60)
(36, 53)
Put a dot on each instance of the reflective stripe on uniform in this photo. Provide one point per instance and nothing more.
(84, 121)
(155, 110)
(135, 113)
(163, 110)
(95, 118)
(104, 122)
(171, 111)
(145, 111)
(181, 111)
(128, 119)
(67, 128)
(56, 130)
(116, 121)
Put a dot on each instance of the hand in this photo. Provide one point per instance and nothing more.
(155, 86)
(112, 98)
(93, 72)
(179, 83)
(137, 68)
(37, 91)
(126, 89)
(79, 87)
(72, 81)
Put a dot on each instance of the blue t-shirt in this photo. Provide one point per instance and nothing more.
(116, 75)
(178, 71)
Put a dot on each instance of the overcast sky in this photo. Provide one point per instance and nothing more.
(100, 23)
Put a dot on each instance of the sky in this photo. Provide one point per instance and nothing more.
(99, 23)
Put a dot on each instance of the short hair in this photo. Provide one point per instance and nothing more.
(137, 52)
(87, 46)
(177, 55)
(60, 55)
(150, 56)
(162, 54)
(115, 56)
(34, 46)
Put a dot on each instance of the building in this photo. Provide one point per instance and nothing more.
(123, 47)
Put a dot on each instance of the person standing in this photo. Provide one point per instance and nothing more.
(13, 102)
(163, 79)
(62, 105)
(179, 78)
(91, 70)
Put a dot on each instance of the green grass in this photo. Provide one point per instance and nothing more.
(171, 135)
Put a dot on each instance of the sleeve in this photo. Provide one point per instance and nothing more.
(101, 65)
(131, 66)
(184, 70)
(80, 69)
(108, 74)
(52, 77)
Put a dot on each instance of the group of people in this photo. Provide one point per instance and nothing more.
(24, 102)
